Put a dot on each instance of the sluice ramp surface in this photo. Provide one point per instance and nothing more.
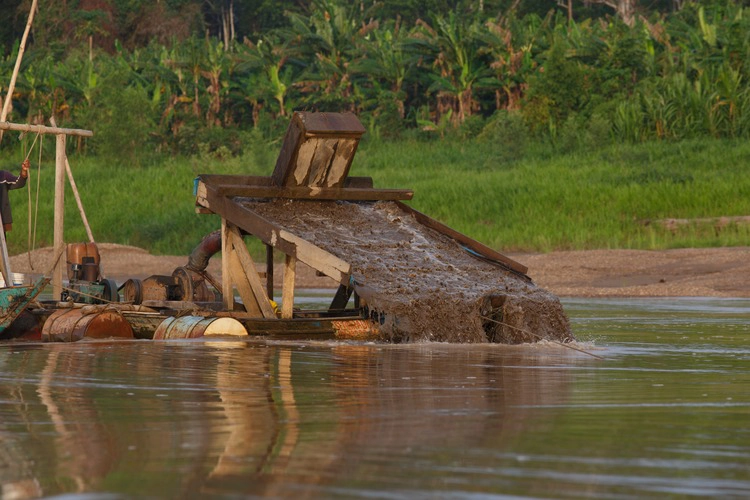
(419, 283)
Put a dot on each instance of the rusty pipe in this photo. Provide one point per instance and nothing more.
(209, 245)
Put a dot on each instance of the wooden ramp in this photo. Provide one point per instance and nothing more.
(313, 164)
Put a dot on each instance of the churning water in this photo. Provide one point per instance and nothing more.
(665, 413)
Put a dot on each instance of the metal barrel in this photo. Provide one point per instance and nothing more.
(71, 325)
(189, 327)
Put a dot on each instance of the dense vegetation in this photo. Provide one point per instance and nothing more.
(504, 89)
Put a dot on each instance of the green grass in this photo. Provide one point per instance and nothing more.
(538, 201)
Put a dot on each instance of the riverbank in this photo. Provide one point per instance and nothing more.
(698, 272)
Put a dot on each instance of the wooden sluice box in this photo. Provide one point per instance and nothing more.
(313, 212)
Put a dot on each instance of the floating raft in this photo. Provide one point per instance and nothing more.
(401, 275)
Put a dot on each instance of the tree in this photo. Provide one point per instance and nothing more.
(625, 9)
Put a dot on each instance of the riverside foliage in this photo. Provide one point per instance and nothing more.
(666, 77)
(527, 132)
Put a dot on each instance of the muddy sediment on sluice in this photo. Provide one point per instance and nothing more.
(420, 284)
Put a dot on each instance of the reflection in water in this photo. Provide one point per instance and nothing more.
(665, 413)
(282, 415)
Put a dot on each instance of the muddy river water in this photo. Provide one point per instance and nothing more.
(666, 412)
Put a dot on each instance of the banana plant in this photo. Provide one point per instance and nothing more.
(386, 64)
(452, 49)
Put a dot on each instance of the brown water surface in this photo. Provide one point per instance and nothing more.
(666, 413)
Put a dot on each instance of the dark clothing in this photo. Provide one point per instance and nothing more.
(8, 181)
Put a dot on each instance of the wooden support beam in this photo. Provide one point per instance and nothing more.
(240, 281)
(227, 289)
(343, 294)
(269, 271)
(287, 294)
(316, 193)
(45, 130)
(247, 275)
(274, 235)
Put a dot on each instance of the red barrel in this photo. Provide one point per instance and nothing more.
(71, 325)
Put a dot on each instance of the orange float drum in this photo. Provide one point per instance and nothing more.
(90, 322)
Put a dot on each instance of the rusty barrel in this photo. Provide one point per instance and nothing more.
(71, 325)
(190, 327)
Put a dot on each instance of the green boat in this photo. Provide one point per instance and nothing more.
(15, 299)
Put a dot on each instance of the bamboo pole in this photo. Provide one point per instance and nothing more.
(58, 238)
(76, 194)
(41, 129)
(21, 48)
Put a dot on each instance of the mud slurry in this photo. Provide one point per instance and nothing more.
(420, 284)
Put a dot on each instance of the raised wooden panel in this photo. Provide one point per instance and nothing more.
(317, 145)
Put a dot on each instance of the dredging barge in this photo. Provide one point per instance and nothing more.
(401, 275)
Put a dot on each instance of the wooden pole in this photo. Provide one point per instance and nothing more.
(227, 290)
(58, 237)
(287, 294)
(21, 48)
(269, 271)
(78, 201)
(5, 264)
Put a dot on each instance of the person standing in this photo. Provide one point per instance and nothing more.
(9, 181)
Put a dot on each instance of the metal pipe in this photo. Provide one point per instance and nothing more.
(209, 245)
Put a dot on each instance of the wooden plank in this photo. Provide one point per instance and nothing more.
(287, 293)
(258, 180)
(251, 272)
(227, 289)
(341, 162)
(305, 192)
(481, 249)
(274, 235)
(288, 154)
(321, 162)
(325, 262)
(302, 165)
(338, 124)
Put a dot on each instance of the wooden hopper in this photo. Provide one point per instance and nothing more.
(318, 150)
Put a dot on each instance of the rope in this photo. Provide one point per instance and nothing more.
(30, 243)
(542, 338)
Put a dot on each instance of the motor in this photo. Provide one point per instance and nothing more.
(85, 282)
